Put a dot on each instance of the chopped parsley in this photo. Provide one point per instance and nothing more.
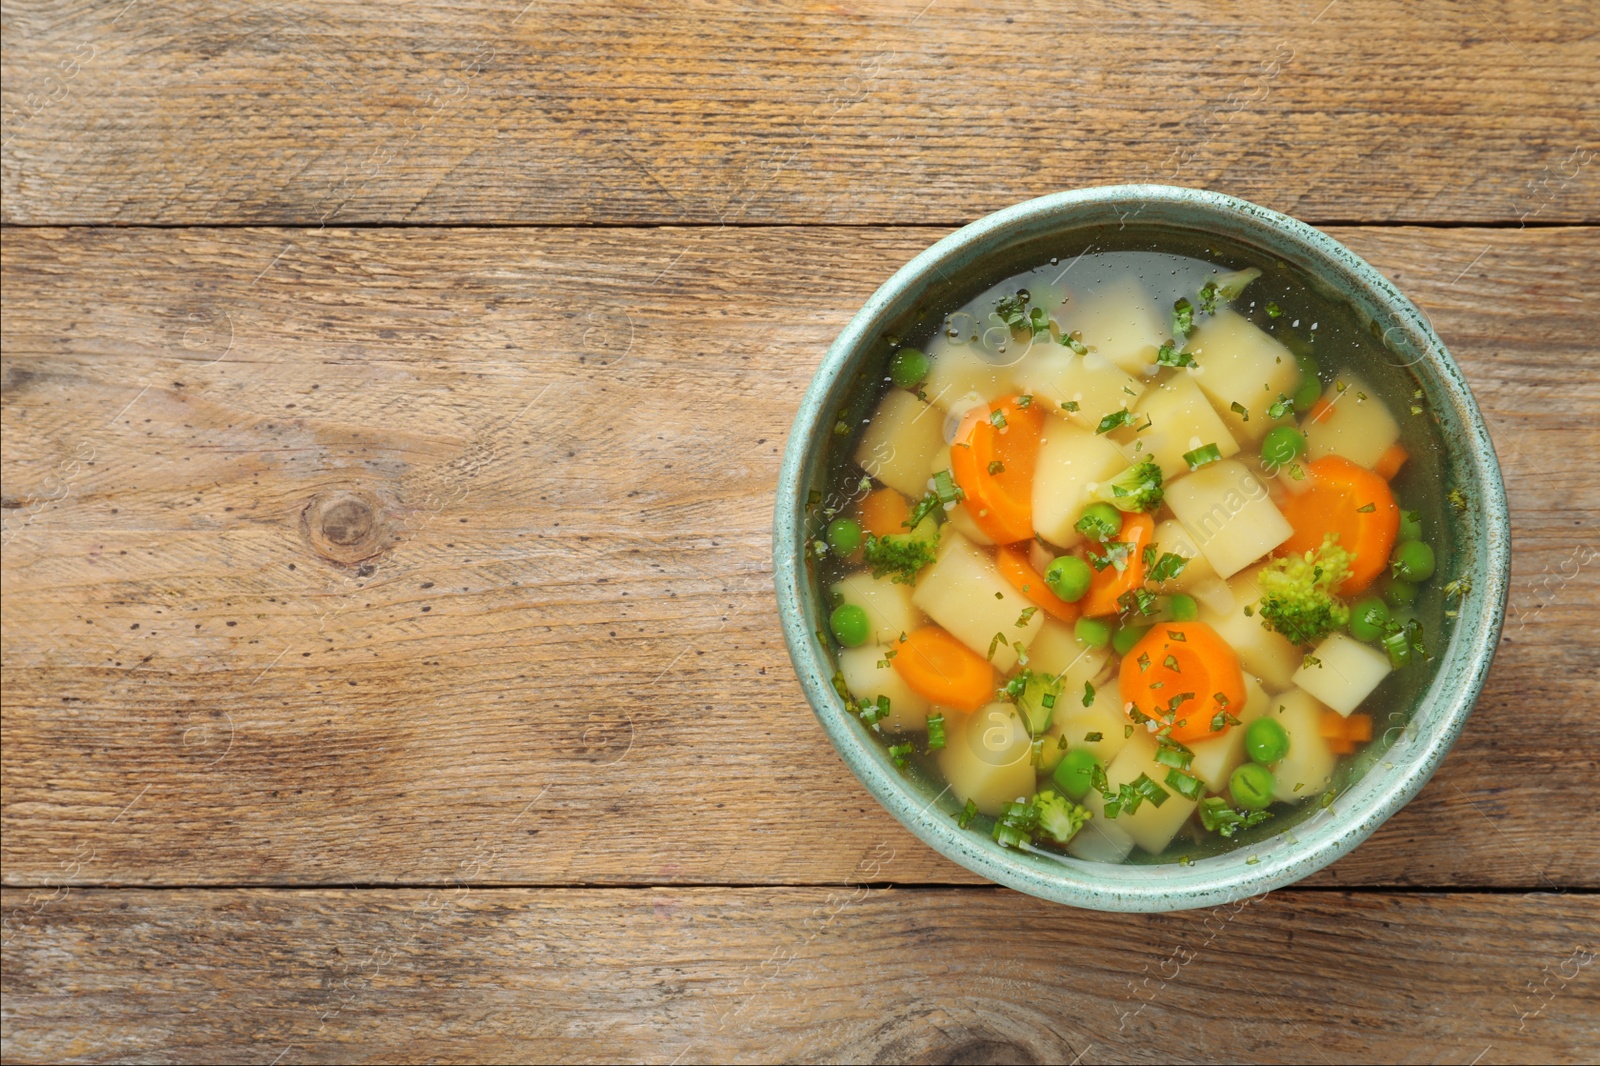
(966, 814)
(1218, 817)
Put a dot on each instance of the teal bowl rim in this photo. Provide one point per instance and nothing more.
(1441, 711)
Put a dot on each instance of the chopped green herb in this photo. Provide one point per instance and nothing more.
(1169, 355)
(1208, 297)
(900, 754)
(997, 418)
(1273, 310)
(1169, 566)
(876, 711)
(1027, 613)
(935, 732)
(966, 814)
(1458, 588)
(1458, 500)
(1088, 694)
(1185, 785)
(1210, 453)
(1218, 817)
(1121, 417)
(1069, 405)
(1240, 409)
(1093, 738)
(1282, 407)
(1183, 317)
(996, 467)
(1074, 340)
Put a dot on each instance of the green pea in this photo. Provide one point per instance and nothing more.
(1310, 387)
(1412, 561)
(908, 367)
(1093, 632)
(1125, 638)
(1400, 593)
(844, 536)
(1075, 773)
(1369, 618)
(1266, 740)
(1105, 515)
(1283, 444)
(1183, 608)
(1410, 525)
(1251, 786)
(1068, 577)
(849, 623)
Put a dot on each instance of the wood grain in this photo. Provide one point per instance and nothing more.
(194, 112)
(339, 556)
(854, 975)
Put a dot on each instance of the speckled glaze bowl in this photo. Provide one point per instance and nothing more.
(1391, 770)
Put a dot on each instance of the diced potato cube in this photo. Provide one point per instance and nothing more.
(886, 601)
(1267, 654)
(1120, 321)
(1100, 840)
(1216, 758)
(1094, 383)
(1308, 767)
(1356, 424)
(866, 681)
(1230, 514)
(1181, 420)
(1170, 536)
(900, 442)
(1072, 461)
(1342, 672)
(1239, 364)
(987, 757)
(1057, 652)
(964, 593)
(1074, 721)
(1151, 827)
(960, 374)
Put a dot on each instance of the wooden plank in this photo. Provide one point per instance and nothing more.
(855, 975)
(469, 111)
(332, 555)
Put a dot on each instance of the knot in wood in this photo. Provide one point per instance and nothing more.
(347, 526)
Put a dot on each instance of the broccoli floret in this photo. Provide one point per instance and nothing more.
(903, 555)
(1058, 816)
(1297, 592)
(1137, 488)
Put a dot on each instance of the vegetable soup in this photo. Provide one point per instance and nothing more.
(1121, 553)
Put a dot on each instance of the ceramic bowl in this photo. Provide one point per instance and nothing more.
(1389, 771)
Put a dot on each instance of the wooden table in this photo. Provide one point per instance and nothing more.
(393, 399)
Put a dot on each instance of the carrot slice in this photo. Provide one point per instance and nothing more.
(1340, 497)
(1318, 411)
(1108, 585)
(884, 512)
(940, 668)
(1183, 674)
(1014, 566)
(1343, 734)
(992, 458)
(1390, 462)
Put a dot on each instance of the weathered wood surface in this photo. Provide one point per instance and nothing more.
(854, 975)
(194, 112)
(335, 556)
